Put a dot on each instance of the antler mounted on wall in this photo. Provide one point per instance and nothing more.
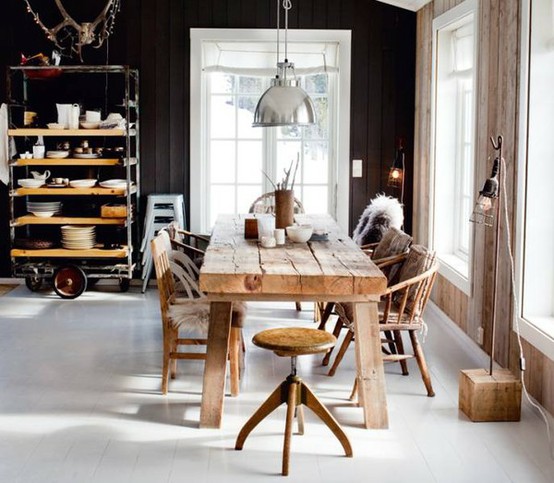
(68, 31)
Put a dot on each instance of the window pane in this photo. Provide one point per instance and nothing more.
(289, 132)
(246, 108)
(287, 152)
(246, 195)
(222, 83)
(222, 201)
(315, 165)
(249, 162)
(250, 85)
(315, 199)
(222, 117)
(315, 83)
(320, 129)
(222, 161)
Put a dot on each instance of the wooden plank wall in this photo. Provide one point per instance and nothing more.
(497, 113)
(154, 36)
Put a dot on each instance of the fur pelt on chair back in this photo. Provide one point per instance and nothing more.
(382, 212)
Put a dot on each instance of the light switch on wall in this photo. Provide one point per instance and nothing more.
(356, 168)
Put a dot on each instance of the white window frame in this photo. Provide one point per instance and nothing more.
(538, 331)
(456, 269)
(198, 96)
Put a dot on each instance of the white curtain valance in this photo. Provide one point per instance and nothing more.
(259, 57)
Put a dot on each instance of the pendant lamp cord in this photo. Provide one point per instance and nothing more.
(516, 308)
(287, 5)
(278, 30)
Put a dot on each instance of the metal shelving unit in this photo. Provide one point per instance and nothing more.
(71, 270)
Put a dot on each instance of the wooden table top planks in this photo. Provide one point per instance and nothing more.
(320, 270)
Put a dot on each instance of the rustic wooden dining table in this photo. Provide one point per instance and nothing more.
(334, 270)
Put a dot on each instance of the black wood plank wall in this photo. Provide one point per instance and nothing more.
(154, 36)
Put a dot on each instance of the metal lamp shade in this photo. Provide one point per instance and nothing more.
(284, 105)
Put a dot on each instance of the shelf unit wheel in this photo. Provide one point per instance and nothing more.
(69, 281)
(124, 284)
(33, 282)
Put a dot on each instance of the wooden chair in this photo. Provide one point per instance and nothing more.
(265, 204)
(293, 342)
(190, 310)
(192, 244)
(388, 255)
(401, 310)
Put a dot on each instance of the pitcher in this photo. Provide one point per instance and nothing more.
(42, 176)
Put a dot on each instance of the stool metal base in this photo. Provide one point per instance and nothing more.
(295, 393)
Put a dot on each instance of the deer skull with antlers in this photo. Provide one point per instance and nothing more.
(79, 34)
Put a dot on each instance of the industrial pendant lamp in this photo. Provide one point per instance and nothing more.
(285, 103)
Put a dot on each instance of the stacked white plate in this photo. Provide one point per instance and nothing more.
(57, 154)
(44, 209)
(78, 237)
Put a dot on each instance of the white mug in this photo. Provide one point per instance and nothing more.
(279, 234)
(38, 151)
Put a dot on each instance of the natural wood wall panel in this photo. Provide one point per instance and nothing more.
(497, 113)
(154, 36)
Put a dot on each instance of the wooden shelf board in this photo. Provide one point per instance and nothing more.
(97, 190)
(71, 162)
(64, 253)
(67, 132)
(67, 220)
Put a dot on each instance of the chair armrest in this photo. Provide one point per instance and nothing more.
(389, 261)
(178, 244)
(193, 235)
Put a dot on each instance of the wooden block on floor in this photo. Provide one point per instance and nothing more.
(483, 397)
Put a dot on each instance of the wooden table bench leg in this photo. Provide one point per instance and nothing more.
(369, 362)
(213, 386)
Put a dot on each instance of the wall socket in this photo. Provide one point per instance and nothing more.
(480, 335)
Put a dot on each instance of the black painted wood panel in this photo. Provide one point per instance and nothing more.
(154, 36)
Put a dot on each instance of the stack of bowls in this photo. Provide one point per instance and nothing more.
(78, 237)
(44, 209)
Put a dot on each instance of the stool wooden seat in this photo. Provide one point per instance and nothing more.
(293, 342)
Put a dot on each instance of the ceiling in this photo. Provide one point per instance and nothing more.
(413, 5)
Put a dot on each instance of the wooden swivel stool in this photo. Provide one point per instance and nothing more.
(291, 343)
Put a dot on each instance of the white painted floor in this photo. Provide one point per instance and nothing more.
(80, 402)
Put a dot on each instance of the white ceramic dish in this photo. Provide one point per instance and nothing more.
(30, 182)
(43, 214)
(57, 154)
(114, 183)
(299, 233)
(82, 183)
(90, 124)
(55, 125)
(86, 155)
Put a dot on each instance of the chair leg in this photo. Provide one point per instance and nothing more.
(166, 361)
(418, 353)
(344, 346)
(354, 392)
(174, 348)
(234, 350)
(300, 418)
(400, 349)
(291, 406)
(309, 399)
(336, 332)
(298, 306)
(275, 399)
(329, 306)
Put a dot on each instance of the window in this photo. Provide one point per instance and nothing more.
(230, 70)
(536, 197)
(452, 180)
(239, 154)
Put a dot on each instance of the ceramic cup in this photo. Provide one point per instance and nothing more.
(39, 152)
(266, 225)
(268, 242)
(92, 116)
(279, 234)
(60, 180)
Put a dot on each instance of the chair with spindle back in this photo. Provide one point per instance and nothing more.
(188, 309)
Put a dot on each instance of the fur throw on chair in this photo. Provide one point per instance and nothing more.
(382, 213)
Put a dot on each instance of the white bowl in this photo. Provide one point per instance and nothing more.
(55, 125)
(43, 214)
(57, 154)
(82, 183)
(299, 233)
(30, 182)
(90, 124)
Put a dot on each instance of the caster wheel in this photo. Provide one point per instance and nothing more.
(69, 282)
(124, 284)
(33, 283)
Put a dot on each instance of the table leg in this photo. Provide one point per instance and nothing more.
(370, 372)
(213, 386)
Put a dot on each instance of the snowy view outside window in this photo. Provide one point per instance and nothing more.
(237, 153)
